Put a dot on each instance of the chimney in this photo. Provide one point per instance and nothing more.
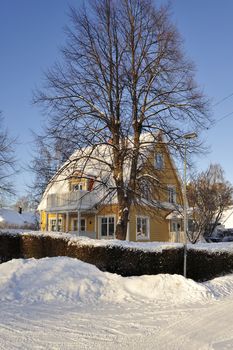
(20, 210)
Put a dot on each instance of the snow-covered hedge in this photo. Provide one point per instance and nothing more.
(204, 261)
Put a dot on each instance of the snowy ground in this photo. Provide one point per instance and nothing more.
(63, 303)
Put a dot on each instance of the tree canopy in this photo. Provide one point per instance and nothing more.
(122, 74)
(7, 161)
(209, 194)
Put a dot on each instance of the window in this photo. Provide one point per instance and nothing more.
(77, 187)
(174, 226)
(82, 225)
(56, 225)
(53, 225)
(142, 227)
(171, 194)
(145, 189)
(107, 226)
(159, 161)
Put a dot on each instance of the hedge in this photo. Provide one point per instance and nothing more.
(201, 265)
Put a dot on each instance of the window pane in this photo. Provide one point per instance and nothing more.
(75, 225)
(171, 195)
(53, 225)
(77, 187)
(138, 226)
(159, 161)
(104, 227)
(111, 226)
(83, 224)
(142, 227)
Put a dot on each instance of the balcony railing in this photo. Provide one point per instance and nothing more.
(78, 200)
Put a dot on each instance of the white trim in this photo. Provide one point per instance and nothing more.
(67, 221)
(99, 226)
(148, 222)
(128, 231)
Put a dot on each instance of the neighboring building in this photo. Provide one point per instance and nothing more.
(227, 218)
(76, 201)
(10, 218)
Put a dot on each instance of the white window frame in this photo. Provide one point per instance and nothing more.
(58, 225)
(147, 237)
(171, 190)
(73, 225)
(176, 224)
(159, 161)
(100, 226)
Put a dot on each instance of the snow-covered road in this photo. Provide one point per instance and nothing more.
(62, 303)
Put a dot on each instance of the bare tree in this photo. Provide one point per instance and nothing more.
(7, 161)
(46, 160)
(209, 194)
(123, 74)
(24, 203)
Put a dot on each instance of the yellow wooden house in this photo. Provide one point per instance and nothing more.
(75, 202)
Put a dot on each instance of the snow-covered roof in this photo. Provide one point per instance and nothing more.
(94, 161)
(12, 217)
(227, 218)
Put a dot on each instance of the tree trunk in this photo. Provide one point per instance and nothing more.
(122, 224)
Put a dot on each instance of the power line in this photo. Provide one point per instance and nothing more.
(224, 117)
(223, 99)
(219, 120)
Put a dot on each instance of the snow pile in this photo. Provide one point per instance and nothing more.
(70, 280)
(164, 287)
(220, 286)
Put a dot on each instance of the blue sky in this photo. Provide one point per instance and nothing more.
(32, 32)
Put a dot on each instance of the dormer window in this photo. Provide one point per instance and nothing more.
(159, 162)
(77, 187)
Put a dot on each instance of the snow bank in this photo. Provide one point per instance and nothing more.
(221, 286)
(70, 280)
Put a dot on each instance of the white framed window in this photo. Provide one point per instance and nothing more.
(106, 226)
(175, 226)
(171, 194)
(159, 161)
(142, 227)
(82, 224)
(77, 187)
(56, 225)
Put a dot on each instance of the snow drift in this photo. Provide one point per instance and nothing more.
(70, 280)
